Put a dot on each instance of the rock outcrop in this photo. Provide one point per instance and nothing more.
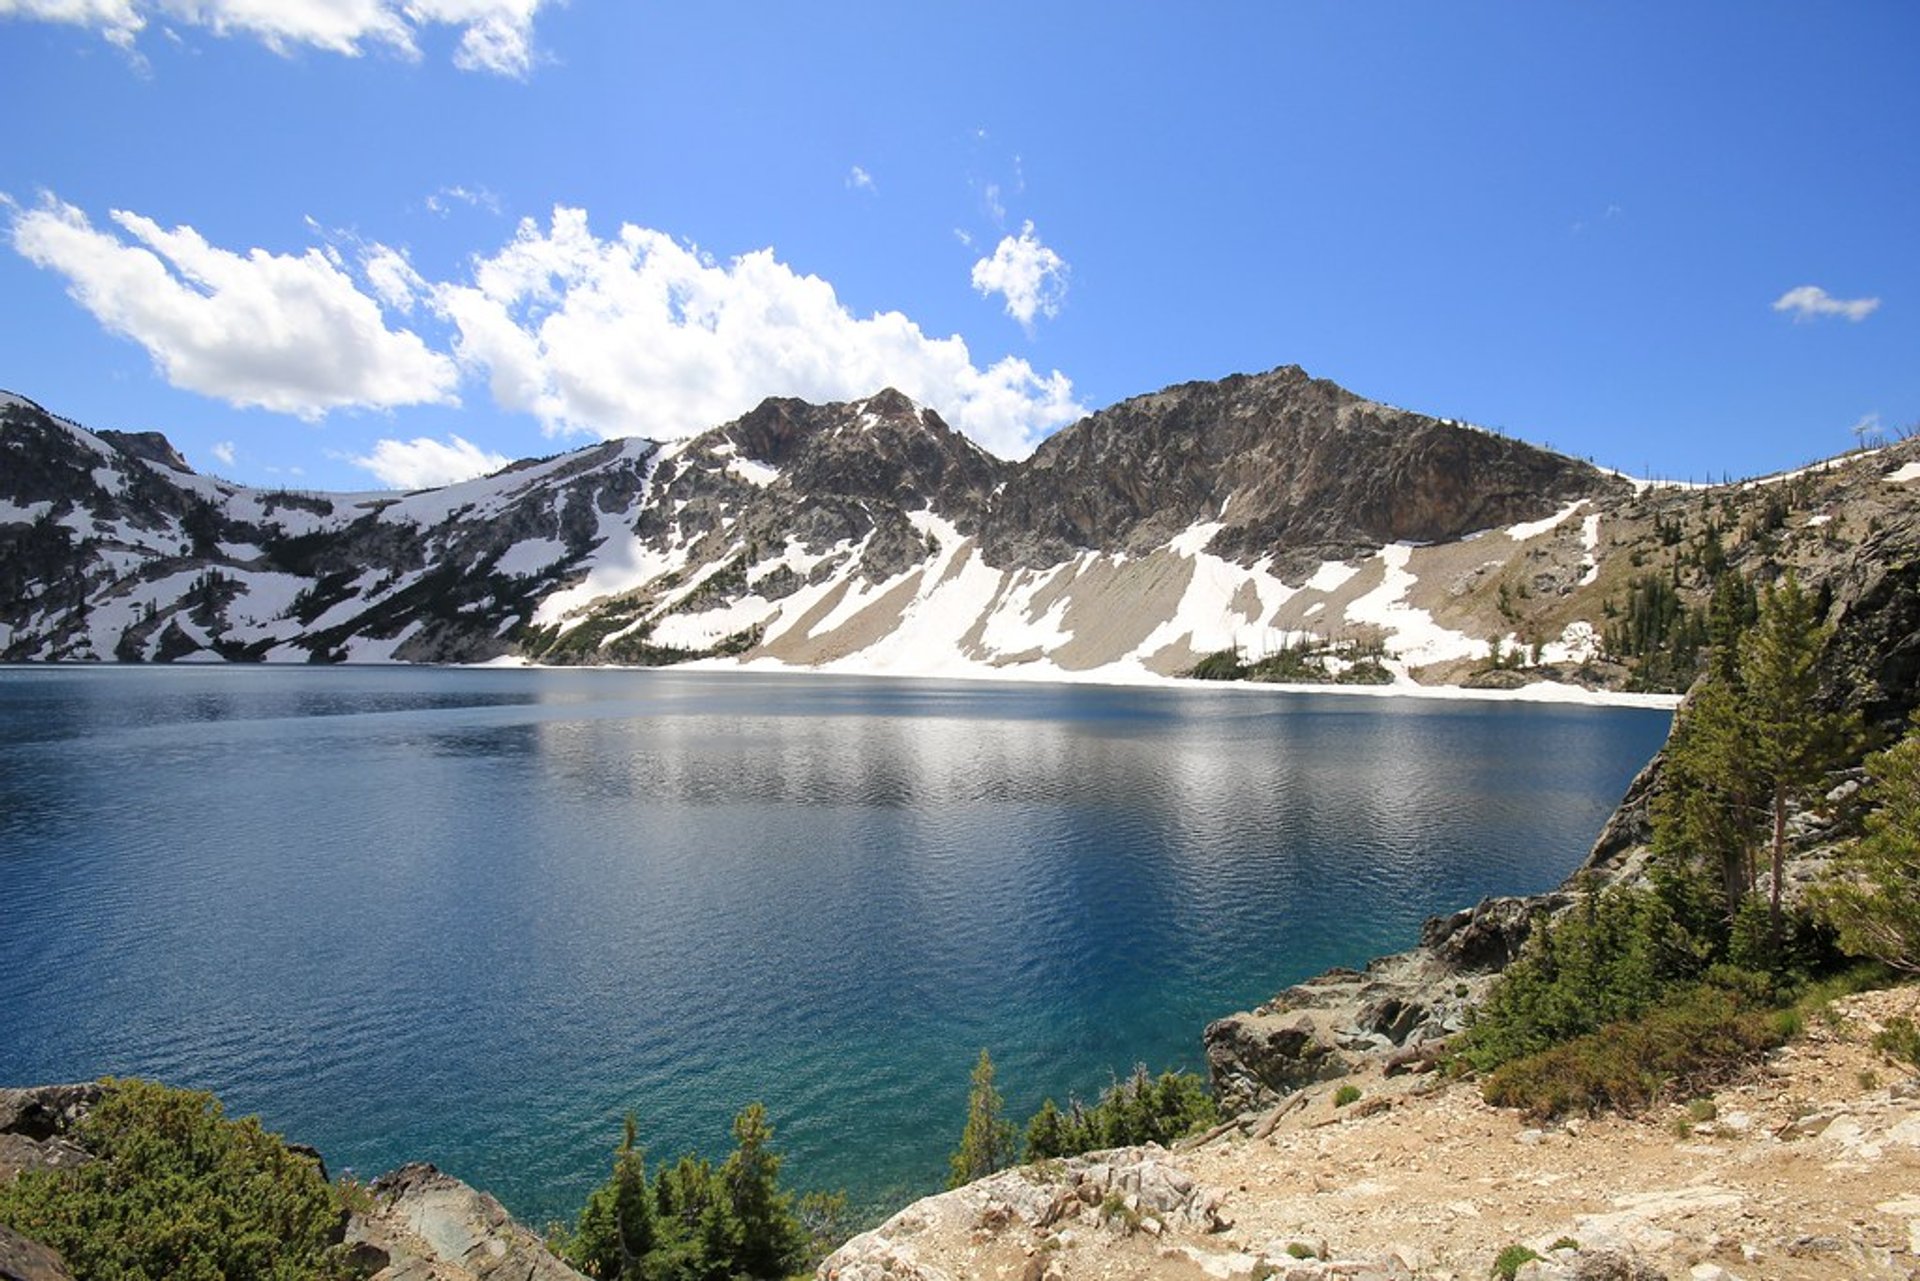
(1111, 1194)
(428, 1226)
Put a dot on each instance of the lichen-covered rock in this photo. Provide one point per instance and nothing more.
(428, 1226)
(1120, 1192)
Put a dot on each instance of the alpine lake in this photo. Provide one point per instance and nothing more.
(474, 916)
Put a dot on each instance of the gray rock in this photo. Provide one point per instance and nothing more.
(429, 1226)
(25, 1260)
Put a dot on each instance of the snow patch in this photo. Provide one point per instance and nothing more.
(1590, 540)
(1331, 576)
(753, 472)
(1412, 635)
(1903, 475)
(528, 558)
(1194, 540)
(1534, 528)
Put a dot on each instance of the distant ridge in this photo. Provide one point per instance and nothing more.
(1256, 514)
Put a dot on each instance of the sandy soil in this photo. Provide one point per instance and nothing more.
(1809, 1167)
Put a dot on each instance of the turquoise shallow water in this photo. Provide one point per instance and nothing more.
(474, 916)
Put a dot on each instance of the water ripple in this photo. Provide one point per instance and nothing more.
(477, 916)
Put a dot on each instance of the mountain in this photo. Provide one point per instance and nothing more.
(1277, 519)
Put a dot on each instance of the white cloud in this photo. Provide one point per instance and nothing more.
(859, 179)
(223, 452)
(393, 278)
(118, 21)
(1030, 276)
(288, 333)
(442, 201)
(1811, 302)
(425, 463)
(495, 35)
(637, 334)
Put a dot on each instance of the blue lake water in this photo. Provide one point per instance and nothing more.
(473, 917)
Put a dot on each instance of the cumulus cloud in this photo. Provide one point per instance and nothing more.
(495, 35)
(425, 463)
(859, 179)
(1030, 276)
(637, 334)
(1811, 302)
(223, 452)
(291, 333)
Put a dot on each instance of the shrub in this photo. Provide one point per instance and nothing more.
(1875, 905)
(1694, 1041)
(179, 1193)
(1140, 1109)
(1899, 1040)
(693, 1221)
(1506, 1265)
(1346, 1094)
(1609, 959)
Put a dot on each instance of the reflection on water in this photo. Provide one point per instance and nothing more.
(475, 916)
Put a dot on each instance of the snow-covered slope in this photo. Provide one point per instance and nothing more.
(1265, 517)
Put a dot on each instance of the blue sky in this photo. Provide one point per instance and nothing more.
(339, 244)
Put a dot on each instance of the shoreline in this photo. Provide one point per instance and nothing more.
(1549, 692)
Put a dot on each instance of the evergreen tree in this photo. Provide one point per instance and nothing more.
(1792, 743)
(616, 1229)
(771, 1240)
(986, 1145)
(1875, 902)
(1703, 819)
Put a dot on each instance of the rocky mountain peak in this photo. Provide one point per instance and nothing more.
(148, 446)
(1288, 465)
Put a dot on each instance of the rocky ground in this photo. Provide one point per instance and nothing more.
(1809, 1167)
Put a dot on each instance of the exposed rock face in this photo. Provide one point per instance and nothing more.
(35, 1125)
(429, 1226)
(1125, 1190)
(1287, 463)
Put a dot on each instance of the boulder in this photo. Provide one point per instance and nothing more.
(24, 1260)
(1254, 1059)
(428, 1226)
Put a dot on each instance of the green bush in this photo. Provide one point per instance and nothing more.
(1506, 1265)
(1875, 901)
(1140, 1109)
(1346, 1094)
(1899, 1040)
(1612, 958)
(1687, 1045)
(179, 1193)
(1222, 666)
(693, 1222)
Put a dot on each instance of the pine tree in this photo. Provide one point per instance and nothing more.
(1704, 817)
(616, 1229)
(1874, 903)
(986, 1145)
(1792, 744)
(771, 1240)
